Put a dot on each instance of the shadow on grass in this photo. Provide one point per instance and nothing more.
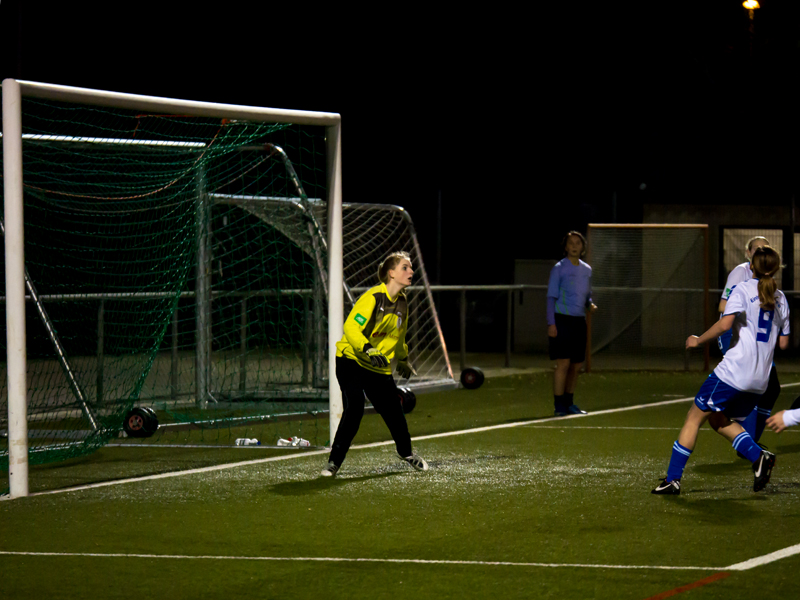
(735, 466)
(741, 509)
(321, 484)
(788, 449)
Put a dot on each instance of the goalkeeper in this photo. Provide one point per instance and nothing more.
(374, 333)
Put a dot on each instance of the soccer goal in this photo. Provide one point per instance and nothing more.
(651, 285)
(183, 258)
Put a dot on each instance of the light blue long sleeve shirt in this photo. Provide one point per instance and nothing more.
(569, 291)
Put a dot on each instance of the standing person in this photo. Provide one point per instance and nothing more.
(374, 333)
(756, 420)
(729, 394)
(569, 296)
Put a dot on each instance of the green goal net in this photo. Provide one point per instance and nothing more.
(147, 286)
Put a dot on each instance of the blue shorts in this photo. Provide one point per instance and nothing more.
(718, 396)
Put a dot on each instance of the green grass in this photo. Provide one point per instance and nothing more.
(567, 492)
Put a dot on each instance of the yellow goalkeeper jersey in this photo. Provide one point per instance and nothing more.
(380, 321)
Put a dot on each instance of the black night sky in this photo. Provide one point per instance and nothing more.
(525, 120)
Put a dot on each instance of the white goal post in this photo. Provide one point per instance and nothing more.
(13, 91)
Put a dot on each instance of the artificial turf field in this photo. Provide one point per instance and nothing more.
(516, 505)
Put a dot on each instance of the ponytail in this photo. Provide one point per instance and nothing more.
(766, 263)
(767, 286)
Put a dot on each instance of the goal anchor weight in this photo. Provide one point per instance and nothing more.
(472, 378)
(140, 422)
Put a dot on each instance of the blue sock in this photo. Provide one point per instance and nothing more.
(761, 422)
(677, 463)
(749, 424)
(745, 445)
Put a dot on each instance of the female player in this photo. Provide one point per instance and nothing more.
(755, 421)
(569, 296)
(759, 314)
(374, 332)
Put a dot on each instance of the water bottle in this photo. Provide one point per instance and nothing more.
(295, 442)
(247, 442)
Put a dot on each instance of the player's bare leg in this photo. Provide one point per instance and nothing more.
(724, 426)
(681, 450)
(694, 421)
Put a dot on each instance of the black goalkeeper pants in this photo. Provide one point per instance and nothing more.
(356, 382)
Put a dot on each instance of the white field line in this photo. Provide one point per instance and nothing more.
(245, 463)
(763, 560)
(633, 428)
(742, 566)
(356, 560)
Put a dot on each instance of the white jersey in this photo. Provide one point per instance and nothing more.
(791, 417)
(747, 363)
(739, 274)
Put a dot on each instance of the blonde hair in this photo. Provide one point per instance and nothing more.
(389, 263)
(765, 264)
(749, 245)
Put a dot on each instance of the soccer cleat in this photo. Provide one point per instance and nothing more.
(416, 461)
(573, 409)
(669, 488)
(560, 411)
(762, 470)
(330, 470)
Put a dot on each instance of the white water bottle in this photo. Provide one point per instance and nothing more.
(247, 442)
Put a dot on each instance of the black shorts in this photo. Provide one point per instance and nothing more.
(571, 339)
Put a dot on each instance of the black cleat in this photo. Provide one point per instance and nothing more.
(762, 470)
(330, 470)
(416, 461)
(669, 488)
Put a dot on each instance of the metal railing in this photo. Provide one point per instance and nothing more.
(310, 372)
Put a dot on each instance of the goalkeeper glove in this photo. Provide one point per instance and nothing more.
(375, 357)
(405, 369)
